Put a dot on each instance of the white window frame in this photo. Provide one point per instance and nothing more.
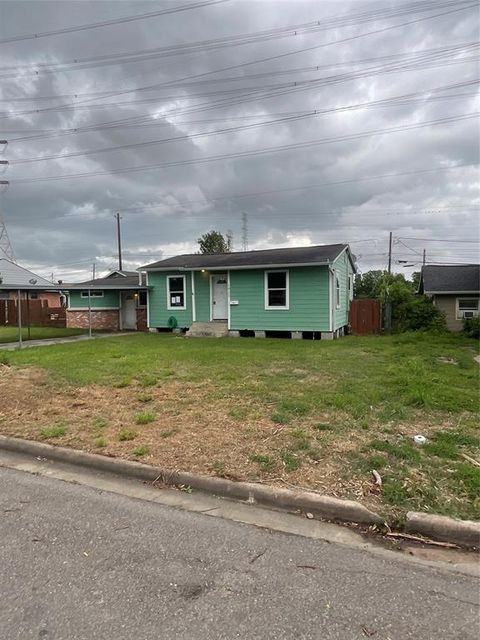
(287, 290)
(94, 293)
(338, 291)
(176, 307)
(459, 313)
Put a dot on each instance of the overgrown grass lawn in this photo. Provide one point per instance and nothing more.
(10, 333)
(321, 414)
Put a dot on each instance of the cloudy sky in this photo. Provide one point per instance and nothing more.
(321, 121)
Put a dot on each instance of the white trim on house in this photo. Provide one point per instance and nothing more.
(338, 291)
(92, 293)
(286, 307)
(225, 268)
(228, 300)
(194, 305)
(331, 309)
(460, 313)
(176, 307)
(148, 301)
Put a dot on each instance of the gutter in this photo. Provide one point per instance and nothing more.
(240, 267)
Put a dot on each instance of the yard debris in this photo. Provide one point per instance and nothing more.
(409, 536)
(378, 477)
(471, 460)
(309, 515)
(368, 632)
(419, 439)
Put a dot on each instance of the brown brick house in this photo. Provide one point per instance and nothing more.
(117, 302)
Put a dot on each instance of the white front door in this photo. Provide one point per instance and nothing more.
(219, 297)
(129, 311)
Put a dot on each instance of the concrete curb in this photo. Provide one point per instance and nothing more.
(322, 506)
(465, 533)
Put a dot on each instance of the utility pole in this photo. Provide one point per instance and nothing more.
(244, 231)
(424, 257)
(390, 242)
(93, 271)
(119, 241)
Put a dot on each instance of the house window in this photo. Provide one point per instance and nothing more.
(337, 292)
(33, 295)
(142, 299)
(276, 290)
(350, 287)
(176, 292)
(93, 294)
(467, 307)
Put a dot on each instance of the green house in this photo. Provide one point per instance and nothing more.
(300, 292)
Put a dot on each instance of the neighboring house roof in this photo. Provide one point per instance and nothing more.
(109, 282)
(14, 276)
(439, 279)
(318, 254)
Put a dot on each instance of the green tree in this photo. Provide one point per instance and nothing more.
(215, 242)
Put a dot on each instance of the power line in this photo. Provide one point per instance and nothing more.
(392, 101)
(109, 23)
(408, 9)
(450, 49)
(440, 240)
(254, 152)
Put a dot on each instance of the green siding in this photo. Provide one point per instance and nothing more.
(308, 301)
(110, 300)
(343, 268)
(202, 296)
(157, 306)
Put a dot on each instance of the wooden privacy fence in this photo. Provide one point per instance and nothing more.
(365, 316)
(34, 312)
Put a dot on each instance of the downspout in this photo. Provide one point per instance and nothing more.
(229, 309)
(331, 277)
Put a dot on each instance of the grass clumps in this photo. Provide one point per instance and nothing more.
(56, 431)
(141, 451)
(266, 462)
(144, 418)
(291, 461)
(144, 397)
(127, 434)
(101, 443)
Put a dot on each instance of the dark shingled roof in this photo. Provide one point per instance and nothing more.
(268, 257)
(453, 278)
(114, 280)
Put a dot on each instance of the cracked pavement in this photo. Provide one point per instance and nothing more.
(78, 563)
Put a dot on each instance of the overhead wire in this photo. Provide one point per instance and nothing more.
(401, 99)
(111, 22)
(253, 152)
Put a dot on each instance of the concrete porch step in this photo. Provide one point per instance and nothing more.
(215, 329)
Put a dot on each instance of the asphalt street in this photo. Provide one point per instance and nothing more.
(77, 563)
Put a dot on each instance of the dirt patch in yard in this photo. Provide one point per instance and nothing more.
(186, 426)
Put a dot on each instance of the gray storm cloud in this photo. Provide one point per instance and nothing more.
(359, 72)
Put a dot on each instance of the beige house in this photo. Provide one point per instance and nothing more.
(455, 290)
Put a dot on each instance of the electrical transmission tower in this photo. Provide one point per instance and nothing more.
(6, 250)
(244, 231)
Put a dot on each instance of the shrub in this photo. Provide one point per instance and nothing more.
(417, 313)
(471, 327)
